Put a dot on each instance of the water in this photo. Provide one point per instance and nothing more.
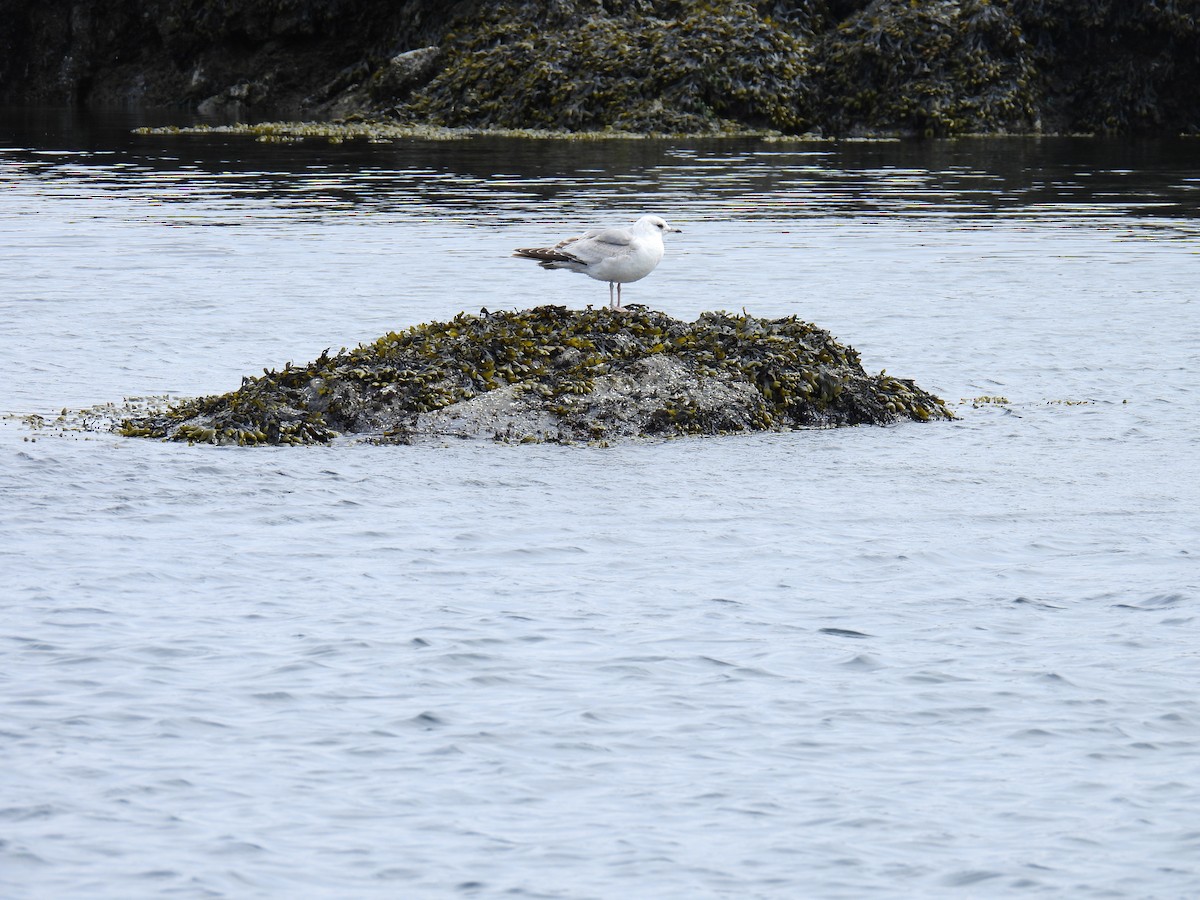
(928, 660)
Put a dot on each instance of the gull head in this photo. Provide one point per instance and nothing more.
(656, 223)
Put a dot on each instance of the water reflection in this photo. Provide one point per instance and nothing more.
(499, 180)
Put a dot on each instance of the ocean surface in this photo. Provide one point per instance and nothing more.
(929, 660)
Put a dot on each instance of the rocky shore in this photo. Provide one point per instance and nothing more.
(555, 375)
(831, 67)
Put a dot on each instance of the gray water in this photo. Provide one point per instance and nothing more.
(949, 659)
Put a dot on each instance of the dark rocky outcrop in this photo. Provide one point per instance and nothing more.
(555, 375)
(928, 68)
(219, 56)
(836, 67)
(621, 64)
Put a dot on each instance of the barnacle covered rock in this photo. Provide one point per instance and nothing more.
(559, 375)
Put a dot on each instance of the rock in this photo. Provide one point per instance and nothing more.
(837, 67)
(586, 66)
(397, 77)
(235, 97)
(551, 374)
(510, 414)
(348, 78)
(356, 89)
(926, 69)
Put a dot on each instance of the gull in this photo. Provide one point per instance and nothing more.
(615, 255)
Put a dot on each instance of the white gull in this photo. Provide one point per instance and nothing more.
(615, 255)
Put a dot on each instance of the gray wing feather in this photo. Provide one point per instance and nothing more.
(617, 237)
(582, 250)
(595, 246)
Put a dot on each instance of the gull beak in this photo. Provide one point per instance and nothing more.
(673, 228)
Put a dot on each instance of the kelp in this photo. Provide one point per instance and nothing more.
(557, 375)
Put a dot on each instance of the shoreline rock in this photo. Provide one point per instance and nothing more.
(555, 375)
(842, 68)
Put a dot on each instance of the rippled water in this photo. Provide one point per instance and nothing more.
(941, 660)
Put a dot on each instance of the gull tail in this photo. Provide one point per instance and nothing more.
(549, 257)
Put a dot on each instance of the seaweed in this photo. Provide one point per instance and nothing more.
(929, 69)
(833, 67)
(682, 66)
(553, 374)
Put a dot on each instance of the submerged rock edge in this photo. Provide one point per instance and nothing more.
(550, 374)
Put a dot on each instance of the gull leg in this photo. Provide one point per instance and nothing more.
(619, 296)
(610, 296)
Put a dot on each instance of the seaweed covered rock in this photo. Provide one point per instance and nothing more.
(675, 66)
(930, 69)
(558, 375)
(1116, 66)
(839, 67)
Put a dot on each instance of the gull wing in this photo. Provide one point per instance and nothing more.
(547, 255)
(597, 244)
(620, 237)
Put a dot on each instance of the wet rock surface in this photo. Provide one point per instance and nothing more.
(551, 374)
